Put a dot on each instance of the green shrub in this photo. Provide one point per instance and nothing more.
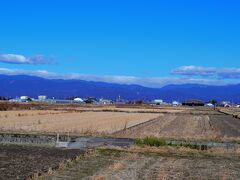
(138, 141)
(151, 141)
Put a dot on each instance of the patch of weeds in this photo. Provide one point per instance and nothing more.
(196, 146)
(110, 152)
(157, 142)
(151, 141)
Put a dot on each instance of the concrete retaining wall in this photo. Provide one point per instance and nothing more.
(30, 139)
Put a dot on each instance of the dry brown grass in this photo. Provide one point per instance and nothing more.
(122, 108)
(75, 122)
(231, 111)
(24, 113)
(99, 177)
(136, 110)
(116, 166)
(184, 151)
(174, 127)
(154, 163)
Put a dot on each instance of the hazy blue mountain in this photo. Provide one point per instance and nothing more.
(17, 85)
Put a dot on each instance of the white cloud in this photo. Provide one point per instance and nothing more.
(213, 72)
(20, 59)
(148, 82)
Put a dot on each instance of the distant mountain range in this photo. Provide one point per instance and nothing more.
(17, 85)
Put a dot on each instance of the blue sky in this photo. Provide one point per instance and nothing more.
(150, 43)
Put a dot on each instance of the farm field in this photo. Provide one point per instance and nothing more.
(166, 122)
(21, 162)
(150, 109)
(73, 122)
(197, 124)
(174, 126)
(4, 106)
(117, 164)
(231, 111)
(24, 113)
(135, 162)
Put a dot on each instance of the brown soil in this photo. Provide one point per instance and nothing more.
(174, 126)
(199, 123)
(20, 162)
(226, 126)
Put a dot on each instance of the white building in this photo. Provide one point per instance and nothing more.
(175, 103)
(226, 103)
(158, 101)
(24, 97)
(105, 101)
(209, 105)
(78, 100)
(42, 98)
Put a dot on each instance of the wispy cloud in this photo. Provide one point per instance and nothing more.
(212, 72)
(21, 59)
(148, 82)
